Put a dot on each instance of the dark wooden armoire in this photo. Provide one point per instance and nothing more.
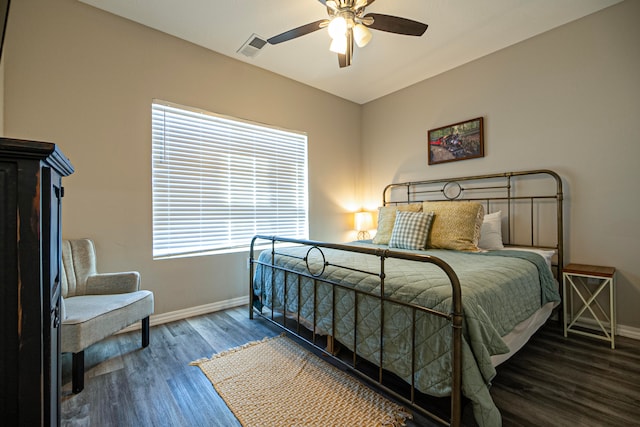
(30, 260)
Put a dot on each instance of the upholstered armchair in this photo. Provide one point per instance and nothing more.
(95, 306)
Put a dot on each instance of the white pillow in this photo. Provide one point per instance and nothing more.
(491, 232)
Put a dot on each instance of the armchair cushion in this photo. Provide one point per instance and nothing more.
(63, 309)
(90, 318)
(113, 283)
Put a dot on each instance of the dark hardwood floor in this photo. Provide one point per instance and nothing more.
(552, 381)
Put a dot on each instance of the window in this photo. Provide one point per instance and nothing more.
(218, 181)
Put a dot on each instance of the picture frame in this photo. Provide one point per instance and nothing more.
(458, 141)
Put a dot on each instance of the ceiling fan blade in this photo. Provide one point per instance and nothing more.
(395, 24)
(342, 60)
(297, 32)
(366, 20)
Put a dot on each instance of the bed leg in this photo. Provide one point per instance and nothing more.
(329, 344)
(332, 347)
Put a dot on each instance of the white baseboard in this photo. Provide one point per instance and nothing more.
(172, 316)
(629, 332)
(621, 330)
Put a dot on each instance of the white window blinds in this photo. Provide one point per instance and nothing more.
(218, 181)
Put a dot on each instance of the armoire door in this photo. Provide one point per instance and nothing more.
(8, 290)
(51, 232)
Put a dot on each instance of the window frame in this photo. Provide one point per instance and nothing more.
(232, 173)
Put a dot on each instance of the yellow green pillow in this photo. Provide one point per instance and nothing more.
(386, 219)
(456, 225)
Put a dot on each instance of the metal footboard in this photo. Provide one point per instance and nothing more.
(291, 322)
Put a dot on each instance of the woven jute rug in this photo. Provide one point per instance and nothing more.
(275, 382)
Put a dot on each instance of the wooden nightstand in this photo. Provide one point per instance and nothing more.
(587, 282)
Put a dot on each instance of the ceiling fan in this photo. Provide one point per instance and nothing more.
(347, 24)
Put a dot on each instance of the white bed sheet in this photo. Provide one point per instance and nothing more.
(519, 336)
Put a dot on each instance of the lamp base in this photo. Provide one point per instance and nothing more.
(363, 235)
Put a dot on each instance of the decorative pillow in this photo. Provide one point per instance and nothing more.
(456, 225)
(491, 232)
(386, 219)
(410, 230)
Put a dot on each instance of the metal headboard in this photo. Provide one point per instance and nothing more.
(536, 194)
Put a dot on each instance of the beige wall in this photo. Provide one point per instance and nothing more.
(567, 100)
(85, 79)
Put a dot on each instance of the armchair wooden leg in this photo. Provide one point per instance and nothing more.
(145, 332)
(77, 372)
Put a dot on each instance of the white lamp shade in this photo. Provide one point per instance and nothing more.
(362, 35)
(339, 45)
(337, 27)
(364, 221)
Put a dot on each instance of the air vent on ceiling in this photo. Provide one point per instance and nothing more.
(252, 47)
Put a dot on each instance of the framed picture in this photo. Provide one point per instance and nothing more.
(459, 141)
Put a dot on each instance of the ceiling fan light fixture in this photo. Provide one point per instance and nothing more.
(337, 27)
(348, 25)
(362, 35)
(339, 45)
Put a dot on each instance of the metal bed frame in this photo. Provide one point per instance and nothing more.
(500, 189)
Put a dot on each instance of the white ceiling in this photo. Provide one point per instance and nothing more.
(459, 31)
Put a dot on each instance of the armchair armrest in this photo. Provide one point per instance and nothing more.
(113, 283)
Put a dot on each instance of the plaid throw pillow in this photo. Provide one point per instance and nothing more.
(410, 230)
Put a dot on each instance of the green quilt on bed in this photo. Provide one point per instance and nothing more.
(500, 289)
